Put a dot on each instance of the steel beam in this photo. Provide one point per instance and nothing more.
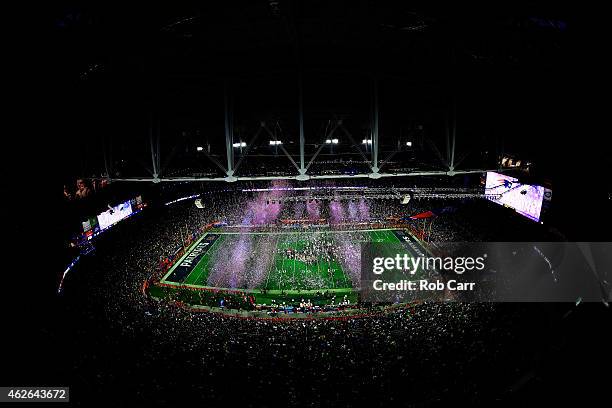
(313, 177)
(154, 144)
(327, 136)
(285, 152)
(301, 169)
(229, 130)
(356, 145)
(248, 148)
(375, 130)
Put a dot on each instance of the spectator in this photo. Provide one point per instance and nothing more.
(67, 194)
(83, 191)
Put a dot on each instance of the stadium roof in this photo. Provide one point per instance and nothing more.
(215, 74)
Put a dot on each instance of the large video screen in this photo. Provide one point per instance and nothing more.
(90, 227)
(525, 199)
(118, 212)
(136, 203)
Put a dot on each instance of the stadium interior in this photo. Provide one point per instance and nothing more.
(231, 168)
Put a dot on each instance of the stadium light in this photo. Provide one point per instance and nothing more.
(239, 144)
(275, 142)
(366, 141)
(199, 148)
(409, 144)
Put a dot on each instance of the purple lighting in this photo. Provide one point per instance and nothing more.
(364, 210)
(336, 211)
(314, 210)
(352, 210)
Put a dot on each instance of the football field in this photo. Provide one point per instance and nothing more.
(277, 261)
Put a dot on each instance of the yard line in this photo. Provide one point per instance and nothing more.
(393, 236)
(273, 264)
(294, 270)
(208, 257)
(205, 257)
(318, 267)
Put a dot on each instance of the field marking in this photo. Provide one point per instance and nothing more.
(289, 267)
(272, 264)
(187, 252)
(293, 274)
(282, 269)
(318, 268)
(279, 244)
(395, 238)
(334, 267)
(206, 257)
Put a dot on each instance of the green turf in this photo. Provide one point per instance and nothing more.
(286, 280)
(199, 274)
(285, 274)
(291, 274)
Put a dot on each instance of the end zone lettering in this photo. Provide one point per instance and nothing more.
(194, 254)
(181, 270)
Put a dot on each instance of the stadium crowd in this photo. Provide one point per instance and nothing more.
(345, 357)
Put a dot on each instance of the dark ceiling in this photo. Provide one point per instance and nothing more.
(503, 70)
(233, 38)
